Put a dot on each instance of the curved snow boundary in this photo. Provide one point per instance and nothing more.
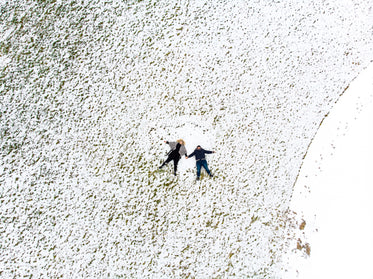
(334, 189)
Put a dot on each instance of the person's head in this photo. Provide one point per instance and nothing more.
(198, 147)
(181, 141)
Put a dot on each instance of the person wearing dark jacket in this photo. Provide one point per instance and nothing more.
(177, 150)
(200, 153)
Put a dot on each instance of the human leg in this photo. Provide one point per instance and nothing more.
(205, 166)
(176, 162)
(198, 165)
(169, 159)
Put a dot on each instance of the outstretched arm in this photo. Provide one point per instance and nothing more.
(172, 144)
(183, 151)
(190, 155)
(208, 151)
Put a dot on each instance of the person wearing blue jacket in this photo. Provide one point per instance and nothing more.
(200, 153)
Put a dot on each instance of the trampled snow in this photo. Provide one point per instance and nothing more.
(89, 91)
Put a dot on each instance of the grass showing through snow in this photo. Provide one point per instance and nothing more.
(89, 91)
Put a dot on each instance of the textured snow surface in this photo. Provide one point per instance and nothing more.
(333, 192)
(89, 91)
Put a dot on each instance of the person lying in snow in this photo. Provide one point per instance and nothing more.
(200, 153)
(177, 150)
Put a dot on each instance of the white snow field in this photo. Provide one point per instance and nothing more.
(334, 191)
(89, 91)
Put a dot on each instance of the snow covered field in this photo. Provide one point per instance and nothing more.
(89, 91)
(334, 191)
